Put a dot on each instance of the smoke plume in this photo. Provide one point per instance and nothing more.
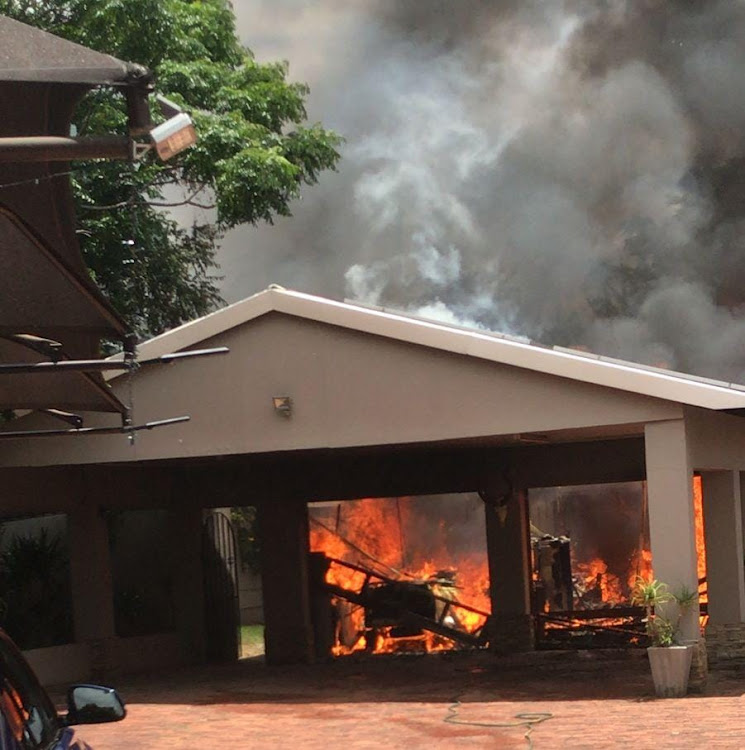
(572, 171)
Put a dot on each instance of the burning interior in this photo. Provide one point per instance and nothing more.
(589, 545)
(412, 573)
(400, 574)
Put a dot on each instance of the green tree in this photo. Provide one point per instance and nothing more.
(253, 155)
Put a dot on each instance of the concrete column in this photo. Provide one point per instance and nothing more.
(671, 514)
(288, 632)
(724, 546)
(508, 547)
(742, 505)
(188, 596)
(90, 571)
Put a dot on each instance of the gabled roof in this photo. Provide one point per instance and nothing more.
(494, 347)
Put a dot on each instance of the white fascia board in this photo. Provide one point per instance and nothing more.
(587, 368)
(201, 329)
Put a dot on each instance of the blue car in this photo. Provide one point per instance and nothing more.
(28, 718)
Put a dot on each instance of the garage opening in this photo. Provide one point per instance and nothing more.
(589, 546)
(143, 572)
(399, 574)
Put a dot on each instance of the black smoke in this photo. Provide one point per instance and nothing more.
(572, 171)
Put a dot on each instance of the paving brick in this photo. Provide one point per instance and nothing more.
(390, 703)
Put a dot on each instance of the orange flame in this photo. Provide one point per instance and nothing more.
(373, 526)
(595, 573)
(698, 508)
(369, 534)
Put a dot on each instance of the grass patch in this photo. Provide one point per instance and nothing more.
(252, 640)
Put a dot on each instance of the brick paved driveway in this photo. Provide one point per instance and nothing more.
(595, 702)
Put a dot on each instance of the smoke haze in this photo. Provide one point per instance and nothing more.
(572, 171)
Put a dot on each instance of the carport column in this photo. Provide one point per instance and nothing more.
(90, 573)
(508, 547)
(186, 532)
(724, 546)
(671, 515)
(288, 633)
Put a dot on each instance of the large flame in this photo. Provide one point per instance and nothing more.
(371, 533)
(698, 508)
(595, 573)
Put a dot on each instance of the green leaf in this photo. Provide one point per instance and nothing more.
(253, 154)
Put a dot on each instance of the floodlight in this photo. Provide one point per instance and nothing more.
(173, 136)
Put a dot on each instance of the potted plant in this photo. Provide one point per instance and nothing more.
(670, 662)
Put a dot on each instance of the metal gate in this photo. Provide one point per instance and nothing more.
(220, 563)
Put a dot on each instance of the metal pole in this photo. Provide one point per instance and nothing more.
(57, 148)
(102, 365)
(123, 430)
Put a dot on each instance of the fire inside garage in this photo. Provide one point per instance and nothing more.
(411, 574)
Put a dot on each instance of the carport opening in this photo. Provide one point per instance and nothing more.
(399, 574)
(601, 532)
(143, 571)
(589, 545)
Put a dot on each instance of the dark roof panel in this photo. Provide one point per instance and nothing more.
(30, 55)
(39, 293)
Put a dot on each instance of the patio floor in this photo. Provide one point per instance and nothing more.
(586, 700)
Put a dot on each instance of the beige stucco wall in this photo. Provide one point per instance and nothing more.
(348, 389)
(57, 665)
(76, 662)
(715, 441)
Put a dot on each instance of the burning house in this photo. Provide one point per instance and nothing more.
(419, 486)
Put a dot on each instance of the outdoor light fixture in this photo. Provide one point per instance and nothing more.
(282, 405)
(173, 136)
(169, 138)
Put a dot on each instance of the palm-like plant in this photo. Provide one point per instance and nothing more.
(651, 593)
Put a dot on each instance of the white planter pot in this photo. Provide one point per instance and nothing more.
(671, 666)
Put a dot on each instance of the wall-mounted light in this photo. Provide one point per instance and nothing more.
(173, 136)
(282, 405)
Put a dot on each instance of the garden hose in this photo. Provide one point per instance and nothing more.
(527, 720)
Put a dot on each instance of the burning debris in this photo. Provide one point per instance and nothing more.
(580, 605)
(553, 587)
(411, 574)
(584, 568)
(374, 590)
(386, 615)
